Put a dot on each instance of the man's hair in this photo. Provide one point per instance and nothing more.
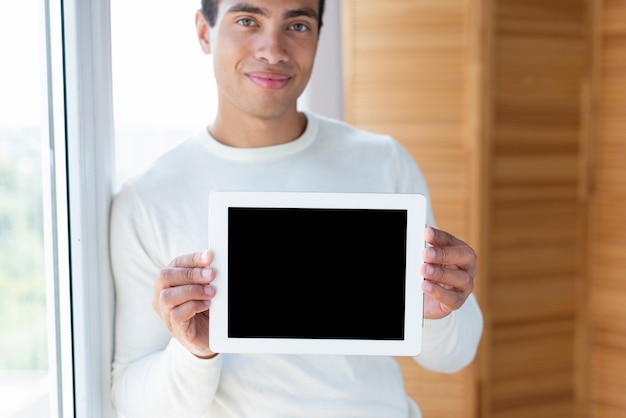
(209, 9)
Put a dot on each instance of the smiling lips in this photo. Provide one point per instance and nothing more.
(269, 80)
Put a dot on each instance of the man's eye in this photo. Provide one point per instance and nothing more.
(299, 27)
(246, 22)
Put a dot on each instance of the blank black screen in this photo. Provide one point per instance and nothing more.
(316, 273)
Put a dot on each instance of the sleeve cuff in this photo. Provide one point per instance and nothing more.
(204, 371)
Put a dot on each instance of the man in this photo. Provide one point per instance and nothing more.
(263, 53)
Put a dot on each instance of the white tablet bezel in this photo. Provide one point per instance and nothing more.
(416, 207)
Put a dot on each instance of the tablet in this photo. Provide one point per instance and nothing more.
(317, 273)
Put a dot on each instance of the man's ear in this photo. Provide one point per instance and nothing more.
(203, 29)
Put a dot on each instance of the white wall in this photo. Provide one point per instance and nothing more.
(324, 94)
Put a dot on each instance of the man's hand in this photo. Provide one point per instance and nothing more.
(182, 297)
(449, 269)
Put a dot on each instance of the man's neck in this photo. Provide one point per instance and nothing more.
(253, 132)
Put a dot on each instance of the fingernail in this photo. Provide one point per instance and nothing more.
(206, 272)
(430, 270)
(427, 286)
(431, 253)
(209, 290)
(204, 257)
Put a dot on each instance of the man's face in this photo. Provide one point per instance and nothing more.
(263, 53)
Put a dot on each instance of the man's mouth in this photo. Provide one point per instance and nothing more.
(269, 80)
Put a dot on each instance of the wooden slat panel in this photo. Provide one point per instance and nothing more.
(608, 268)
(548, 261)
(610, 310)
(534, 222)
(528, 139)
(527, 387)
(608, 382)
(607, 283)
(536, 169)
(537, 408)
(443, 66)
(519, 342)
(530, 192)
(538, 65)
(605, 333)
(539, 382)
(607, 411)
(548, 297)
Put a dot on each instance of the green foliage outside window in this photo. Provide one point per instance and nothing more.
(23, 317)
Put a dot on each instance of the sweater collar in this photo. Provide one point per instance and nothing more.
(263, 154)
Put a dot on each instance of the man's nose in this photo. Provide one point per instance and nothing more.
(272, 47)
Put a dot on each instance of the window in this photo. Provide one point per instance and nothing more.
(55, 187)
(163, 86)
(24, 374)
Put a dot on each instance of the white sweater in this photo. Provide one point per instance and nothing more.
(162, 213)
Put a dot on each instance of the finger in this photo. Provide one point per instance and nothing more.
(181, 316)
(197, 259)
(171, 277)
(178, 276)
(172, 297)
(461, 255)
(451, 299)
(168, 299)
(440, 238)
(448, 277)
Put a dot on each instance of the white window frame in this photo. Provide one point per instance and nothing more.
(80, 183)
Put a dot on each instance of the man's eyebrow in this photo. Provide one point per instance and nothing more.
(247, 8)
(306, 12)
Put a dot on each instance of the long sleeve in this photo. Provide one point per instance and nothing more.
(450, 343)
(168, 383)
(153, 374)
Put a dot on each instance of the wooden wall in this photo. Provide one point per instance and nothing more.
(516, 112)
(539, 57)
(607, 239)
(406, 74)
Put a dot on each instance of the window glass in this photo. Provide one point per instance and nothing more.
(163, 85)
(24, 383)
